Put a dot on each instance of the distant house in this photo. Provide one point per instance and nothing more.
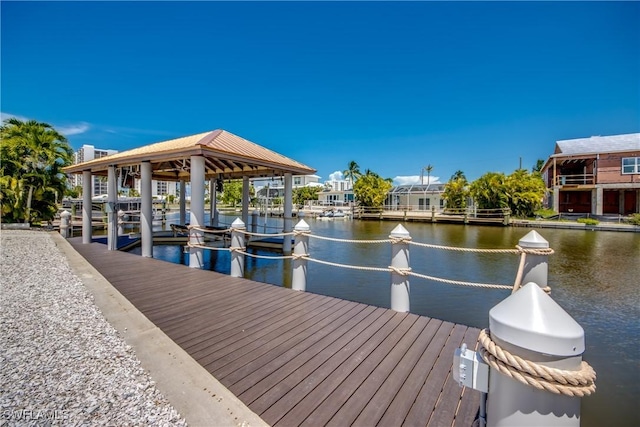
(420, 197)
(271, 188)
(336, 193)
(598, 175)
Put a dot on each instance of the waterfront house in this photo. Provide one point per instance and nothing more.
(599, 175)
(336, 193)
(420, 197)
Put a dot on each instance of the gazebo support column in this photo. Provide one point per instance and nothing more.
(196, 217)
(112, 211)
(146, 210)
(213, 209)
(288, 212)
(183, 202)
(245, 200)
(87, 190)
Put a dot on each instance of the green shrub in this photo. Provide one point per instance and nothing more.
(634, 219)
(588, 221)
(545, 213)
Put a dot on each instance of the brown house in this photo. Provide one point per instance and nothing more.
(599, 175)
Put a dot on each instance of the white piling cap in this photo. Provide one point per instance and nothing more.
(237, 223)
(533, 239)
(65, 214)
(531, 319)
(302, 226)
(399, 231)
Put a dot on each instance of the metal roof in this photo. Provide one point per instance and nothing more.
(226, 156)
(418, 188)
(598, 144)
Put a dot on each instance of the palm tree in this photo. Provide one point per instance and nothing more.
(352, 173)
(34, 153)
(428, 169)
(458, 175)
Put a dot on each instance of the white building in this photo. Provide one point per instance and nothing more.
(84, 154)
(99, 183)
(336, 193)
(420, 197)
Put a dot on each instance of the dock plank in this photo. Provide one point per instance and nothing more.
(298, 358)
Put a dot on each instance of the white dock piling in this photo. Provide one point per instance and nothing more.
(536, 267)
(530, 325)
(65, 224)
(237, 244)
(299, 277)
(400, 266)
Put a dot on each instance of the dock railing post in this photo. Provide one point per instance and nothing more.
(300, 249)
(536, 267)
(530, 325)
(65, 224)
(121, 216)
(254, 221)
(237, 245)
(399, 269)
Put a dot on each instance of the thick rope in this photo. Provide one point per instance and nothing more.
(213, 248)
(333, 239)
(461, 283)
(207, 230)
(267, 256)
(249, 233)
(569, 383)
(352, 267)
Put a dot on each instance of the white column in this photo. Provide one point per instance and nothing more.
(212, 202)
(183, 202)
(599, 200)
(299, 275)
(196, 217)
(556, 199)
(529, 324)
(536, 267)
(112, 215)
(237, 244)
(146, 210)
(245, 199)
(87, 190)
(288, 212)
(400, 289)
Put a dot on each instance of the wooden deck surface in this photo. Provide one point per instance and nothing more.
(297, 358)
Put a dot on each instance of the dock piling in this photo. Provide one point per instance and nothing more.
(536, 268)
(531, 326)
(237, 245)
(300, 249)
(65, 224)
(400, 269)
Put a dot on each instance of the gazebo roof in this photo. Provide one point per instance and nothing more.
(226, 156)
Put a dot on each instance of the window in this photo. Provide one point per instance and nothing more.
(630, 165)
(297, 180)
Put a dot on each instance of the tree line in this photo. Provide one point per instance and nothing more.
(521, 192)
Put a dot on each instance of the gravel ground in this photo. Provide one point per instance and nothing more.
(61, 362)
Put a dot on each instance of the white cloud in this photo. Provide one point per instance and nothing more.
(4, 116)
(415, 180)
(336, 176)
(74, 129)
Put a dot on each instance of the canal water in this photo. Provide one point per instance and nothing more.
(595, 277)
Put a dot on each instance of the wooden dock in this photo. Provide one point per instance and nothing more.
(297, 358)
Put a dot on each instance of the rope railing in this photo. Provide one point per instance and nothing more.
(390, 269)
(558, 381)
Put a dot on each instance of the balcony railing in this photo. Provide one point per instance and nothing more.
(581, 179)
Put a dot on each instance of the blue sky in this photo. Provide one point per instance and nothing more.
(394, 86)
